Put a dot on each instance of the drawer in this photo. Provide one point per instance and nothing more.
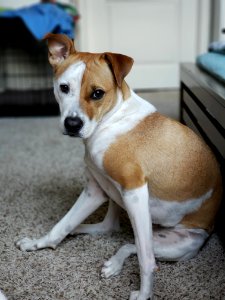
(209, 91)
(198, 116)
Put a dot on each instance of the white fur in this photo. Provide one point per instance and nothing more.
(173, 244)
(170, 213)
(90, 199)
(2, 296)
(110, 222)
(114, 265)
(178, 243)
(70, 103)
(137, 205)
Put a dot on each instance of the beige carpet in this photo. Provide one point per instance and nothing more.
(41, 174)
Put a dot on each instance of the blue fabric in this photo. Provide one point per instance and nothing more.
(217, 47)
(43, 18)
(213, 63)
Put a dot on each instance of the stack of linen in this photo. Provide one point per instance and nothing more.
(213, 61)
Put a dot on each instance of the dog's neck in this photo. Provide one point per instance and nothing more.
(113, 116)
(117, 107)
(125, 115)
(126, 91)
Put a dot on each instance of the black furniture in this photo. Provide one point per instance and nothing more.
(202, 108)
(25, 75)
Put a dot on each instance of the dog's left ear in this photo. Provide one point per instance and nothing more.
(59, 47)
(120, 65)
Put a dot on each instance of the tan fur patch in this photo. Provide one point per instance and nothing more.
(176, 163)
(97, 75)
(130, 175)
(204, 218)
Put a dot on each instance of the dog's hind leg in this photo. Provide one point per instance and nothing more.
(90, 199)
(114, 265)
(178, 243)
(110, 222)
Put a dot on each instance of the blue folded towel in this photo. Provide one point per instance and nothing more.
(43, 18)
(213, 63)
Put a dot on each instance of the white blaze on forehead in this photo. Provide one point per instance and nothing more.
(69, 103)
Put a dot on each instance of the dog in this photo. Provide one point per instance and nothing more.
(154, 167)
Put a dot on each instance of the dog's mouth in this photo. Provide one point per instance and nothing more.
(71, 134)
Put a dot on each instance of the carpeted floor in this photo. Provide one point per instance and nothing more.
(41, 174)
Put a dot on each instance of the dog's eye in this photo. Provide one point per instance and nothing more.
(97, 94)
(64, 88)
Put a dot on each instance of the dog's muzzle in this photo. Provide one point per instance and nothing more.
(73, 126)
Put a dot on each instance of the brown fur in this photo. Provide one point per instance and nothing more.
(94, 78)
(176, 164)
(103, 70)
(120, 65)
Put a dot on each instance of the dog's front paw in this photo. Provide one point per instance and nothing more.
(27, 244)
(111, 267)
(135, 295)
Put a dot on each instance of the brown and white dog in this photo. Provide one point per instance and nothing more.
(156, 169)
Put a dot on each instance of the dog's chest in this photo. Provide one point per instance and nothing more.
(106, 184)
(95, 149)
(99, 143)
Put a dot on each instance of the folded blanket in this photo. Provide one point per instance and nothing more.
(213, 63)
(217, 47)
(43, 18)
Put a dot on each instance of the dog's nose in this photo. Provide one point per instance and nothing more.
(73, 125)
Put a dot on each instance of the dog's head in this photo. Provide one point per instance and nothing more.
(86, 85)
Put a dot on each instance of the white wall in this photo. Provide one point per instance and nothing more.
(158, 34)
(218, 17)
(21, 3)
(16, 4)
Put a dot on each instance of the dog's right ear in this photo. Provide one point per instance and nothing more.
(120, 65)
(59, 47)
